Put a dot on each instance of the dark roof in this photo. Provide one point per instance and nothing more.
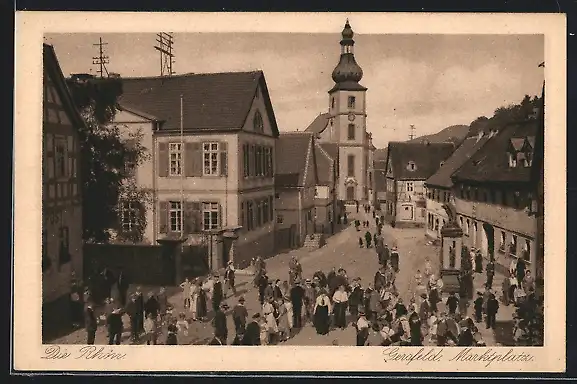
(212, 101)
(491, 162)
(347, 86)
(380, 164)
(442, 178)
(144, 115)
(325, 165)
(54, 71)
(380, 180)
(332, 149)
(319, 124)
(291, 154)
(426, 156)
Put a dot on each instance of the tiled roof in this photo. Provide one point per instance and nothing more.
(426, 157)
(332, 149)
(319, 124)
(491, 162)
(144, 115)
(442, 178)
(325, 166)
(291, 153)
(211, 101)
(52, 68)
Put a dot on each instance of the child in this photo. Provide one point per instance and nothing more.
(433, 321)
(150, 329)
(182, 324)
(172, 331)
(264, 334)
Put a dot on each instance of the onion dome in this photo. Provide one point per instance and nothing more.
(347, 70)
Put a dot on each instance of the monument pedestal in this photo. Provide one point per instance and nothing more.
(451, 248)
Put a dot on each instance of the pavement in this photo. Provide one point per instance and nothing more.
(340, 250)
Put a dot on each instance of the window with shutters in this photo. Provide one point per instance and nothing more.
(351, 165)
(175, 216)
(210, 216)
(262, 160)
(411, 187)
(265, 211)
(513, 246)
(351, 132)
(175, 156)
(249, 216)
(60, 157)
(210, 154)
(128, 215)
(64, 241)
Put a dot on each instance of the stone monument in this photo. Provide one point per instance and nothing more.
(451, 248)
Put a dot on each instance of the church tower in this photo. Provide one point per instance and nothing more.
(347, 123)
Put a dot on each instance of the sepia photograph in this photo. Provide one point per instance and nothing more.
(295, 189)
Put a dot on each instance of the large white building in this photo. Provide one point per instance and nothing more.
(345, 124)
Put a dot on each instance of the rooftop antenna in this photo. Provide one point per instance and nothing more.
(412, 132)
(165, 42)
(102, 59)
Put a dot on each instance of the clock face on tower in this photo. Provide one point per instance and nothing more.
(351, 116)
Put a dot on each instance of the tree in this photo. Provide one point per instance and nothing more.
(103, 154)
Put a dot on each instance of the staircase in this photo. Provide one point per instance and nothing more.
(314, 241)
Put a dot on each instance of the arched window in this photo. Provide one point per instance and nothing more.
(257, 122)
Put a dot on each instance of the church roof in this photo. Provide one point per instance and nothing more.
(319, 124)
(325, 165)
(347, 73)
(212, 101)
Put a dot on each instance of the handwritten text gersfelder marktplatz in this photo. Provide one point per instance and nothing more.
(91, 352)
(489, 356)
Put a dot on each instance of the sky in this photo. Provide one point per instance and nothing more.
(430, 81)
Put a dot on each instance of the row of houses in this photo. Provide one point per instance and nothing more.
(489, 179)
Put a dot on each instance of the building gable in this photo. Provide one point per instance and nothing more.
(260, 119)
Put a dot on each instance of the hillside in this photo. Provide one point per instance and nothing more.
(454, 133)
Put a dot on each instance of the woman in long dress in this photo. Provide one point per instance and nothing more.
(340, 300)
(321, 310)
(268, 312)
(201, 311)
(282, 321)
(193, 299)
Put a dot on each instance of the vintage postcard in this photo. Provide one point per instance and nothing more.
(274, 192)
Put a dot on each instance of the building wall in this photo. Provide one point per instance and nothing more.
(507, 223)
(129, 125)
(436, 214)
(292, 212)
(410, 203)
(61, 199)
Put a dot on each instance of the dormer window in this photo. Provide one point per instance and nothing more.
(411, 166)
(257, 122)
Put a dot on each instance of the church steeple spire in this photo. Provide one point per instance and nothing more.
(347, 73)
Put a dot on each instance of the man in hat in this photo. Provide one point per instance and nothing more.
(310, 298)
(90, 323)
(424, 309)
(217, 293)
(239, 316)
(452, 303)
(114, 323)
(478, 303)
(492, 309)
(380, 279)
(133, 312)
(297, 298)
(252, 334)
(139, 310)
(395, 259)
(219, 323)
(355, 298)
(229, 279)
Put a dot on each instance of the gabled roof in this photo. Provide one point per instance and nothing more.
(332, 149)
(211, 101)
(292, 155)
(319, 124)
(54, 71)
(491, 163)
(442, 178)
(325, 166)
(426, 156)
